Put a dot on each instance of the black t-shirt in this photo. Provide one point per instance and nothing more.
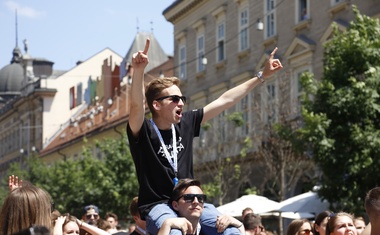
(154, 172)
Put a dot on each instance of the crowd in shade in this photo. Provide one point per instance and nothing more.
(29, 210)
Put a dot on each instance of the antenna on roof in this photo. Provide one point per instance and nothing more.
(16, 29)
(151, 26)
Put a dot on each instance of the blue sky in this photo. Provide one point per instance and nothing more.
(65, 32)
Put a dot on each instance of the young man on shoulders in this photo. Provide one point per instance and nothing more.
(188, 202)
(162, 146)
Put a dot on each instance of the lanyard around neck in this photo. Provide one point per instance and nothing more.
(172, 158)
(142, 231)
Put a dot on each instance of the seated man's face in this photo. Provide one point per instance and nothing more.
(190, 204)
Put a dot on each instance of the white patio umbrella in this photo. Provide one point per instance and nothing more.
(304, 203)
(259, 204)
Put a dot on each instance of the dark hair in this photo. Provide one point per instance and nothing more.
(155, 87)
(133, 207)
(111, 214)
(251, 221)
(182, 185)
(295, 226)
(318, 220)
(332, 219)
(372, 203)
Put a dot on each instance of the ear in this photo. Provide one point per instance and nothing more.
(175, 205)
(136, 218)
(156, 105)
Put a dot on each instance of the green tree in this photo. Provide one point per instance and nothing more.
(108, 181)
(341, 114)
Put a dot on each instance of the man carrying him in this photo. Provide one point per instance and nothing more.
(188, 202)
(162, 146)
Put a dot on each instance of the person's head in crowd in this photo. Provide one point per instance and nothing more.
(34, 230)
(320, 222)
(91, 214)
(359, 224)
(112, 219)
(25, 207)
(134, 210)
(246, 210)
(341, 223)
(131, 228)
(187, 199)
(299, 227)
(372, 206)
(70, 225)
(104, 225)
(252, 225)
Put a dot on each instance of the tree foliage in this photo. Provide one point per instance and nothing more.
(342, 114)
(108, 181)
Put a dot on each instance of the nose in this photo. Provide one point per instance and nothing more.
(195, 200)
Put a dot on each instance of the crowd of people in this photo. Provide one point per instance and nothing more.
(170, 200)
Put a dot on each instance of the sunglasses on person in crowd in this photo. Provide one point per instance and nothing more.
(306, 231)
(174, 98)
(189, 198)
(89, 216)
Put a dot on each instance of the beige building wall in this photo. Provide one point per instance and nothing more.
(300, 42)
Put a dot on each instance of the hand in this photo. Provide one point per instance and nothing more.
(140, 58)
(60, 220)
(223, 221)
(272, 65)
(14, 183)
(180, 223)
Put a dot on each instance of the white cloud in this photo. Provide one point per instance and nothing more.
(23, 10)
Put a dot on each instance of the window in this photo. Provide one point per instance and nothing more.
(182, 62)
(200, 52)
(334, 2)
(220, 35)
(269, 102)
(79, 94)
(244, 26)
(270, 18)
(296, 91)
(303, 10)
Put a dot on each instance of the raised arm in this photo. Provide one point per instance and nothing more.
(137, 100)
(91, 229)
(235, 94)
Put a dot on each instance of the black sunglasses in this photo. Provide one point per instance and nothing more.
(174, 98)
(90, 215)
(191, 197)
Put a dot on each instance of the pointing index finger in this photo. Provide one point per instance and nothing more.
(146, 46)
(273, 52)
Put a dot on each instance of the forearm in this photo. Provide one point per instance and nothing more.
(91, 229)
(229, 98)
(57, 230)
(137, 103)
